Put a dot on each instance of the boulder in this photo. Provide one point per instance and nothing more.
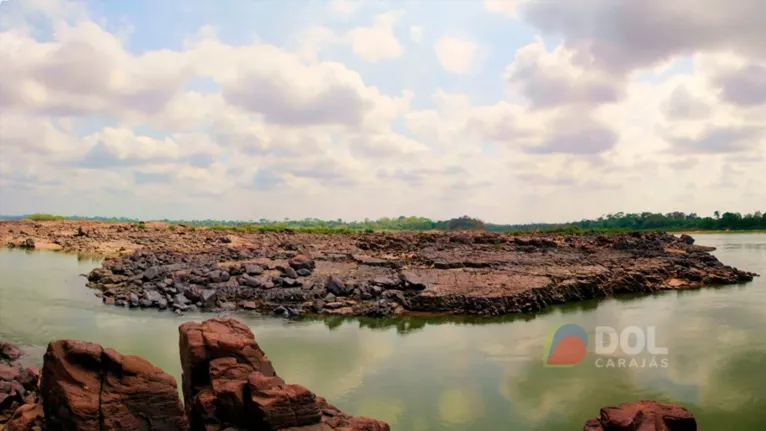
(87, 387)
(336, 286)
(208, 298)
(9, 352)
(229, 382)
(644, 416)
(686, 239)
(301, 262)
(253, 269)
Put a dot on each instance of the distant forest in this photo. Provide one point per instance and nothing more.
(675, 221)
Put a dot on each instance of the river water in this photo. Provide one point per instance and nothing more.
(452, 373)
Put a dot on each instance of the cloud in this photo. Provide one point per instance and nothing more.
(455, 55)
(625, 36)
(682, 105)
(377, 43)
(714, 140)
(326, 114)
(554, 78)
(507, 7)
(744, 86)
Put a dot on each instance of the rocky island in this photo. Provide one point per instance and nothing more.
(288, 273)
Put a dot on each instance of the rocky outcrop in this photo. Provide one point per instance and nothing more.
(385, 274)
(18, 391)
(229, 382)
(644, 416)
(87, 387)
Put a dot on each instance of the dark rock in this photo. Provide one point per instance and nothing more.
(152, 296)
(253, 269)
(686, 239)
(290, 282)
(224, 240)
(87, 387)
(318, 305)
(303, 272)
(145, 303)
(225, 276)
(152, 273)
(250, 281)
(386, 283)
(411, 280)
(336, 286)
(209, 297)
(289, 272)
(133, 300)
(162, 303)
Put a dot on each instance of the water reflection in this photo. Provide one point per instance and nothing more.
(450, 373)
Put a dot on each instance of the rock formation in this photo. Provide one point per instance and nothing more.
(229, 382)
(19, 408)
(87, 387)
(643, 416)
(384, 274)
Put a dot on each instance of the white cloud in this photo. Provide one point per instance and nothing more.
(455, 55)
(507, 7)
(609, 115)
(378, 42)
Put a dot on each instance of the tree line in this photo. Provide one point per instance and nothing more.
(674, 221)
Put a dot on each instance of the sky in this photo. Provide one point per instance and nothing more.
(512, 111)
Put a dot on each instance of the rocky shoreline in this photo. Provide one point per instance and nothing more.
(228, 384)
(374, 274)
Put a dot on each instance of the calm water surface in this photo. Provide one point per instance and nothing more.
(449, 374)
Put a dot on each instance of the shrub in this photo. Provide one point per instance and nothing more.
(45, 217)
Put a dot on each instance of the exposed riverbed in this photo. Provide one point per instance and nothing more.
(448, 373)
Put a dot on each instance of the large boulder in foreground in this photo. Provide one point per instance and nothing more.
(229, 382)
(643, 416)
(87, 387)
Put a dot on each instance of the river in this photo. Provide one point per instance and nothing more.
(451, 373)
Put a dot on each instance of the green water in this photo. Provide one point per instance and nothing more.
(450, 374)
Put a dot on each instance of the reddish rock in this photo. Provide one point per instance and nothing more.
(229, 382)
(643, 416)
(28, 417)
(87, 387)
(301, 262)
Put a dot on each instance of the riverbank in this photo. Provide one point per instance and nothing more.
(372, 274)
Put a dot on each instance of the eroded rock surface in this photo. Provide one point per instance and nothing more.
(228, 382)
(87, 387)
(387, 274)
(18, 391)
(643, 416)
